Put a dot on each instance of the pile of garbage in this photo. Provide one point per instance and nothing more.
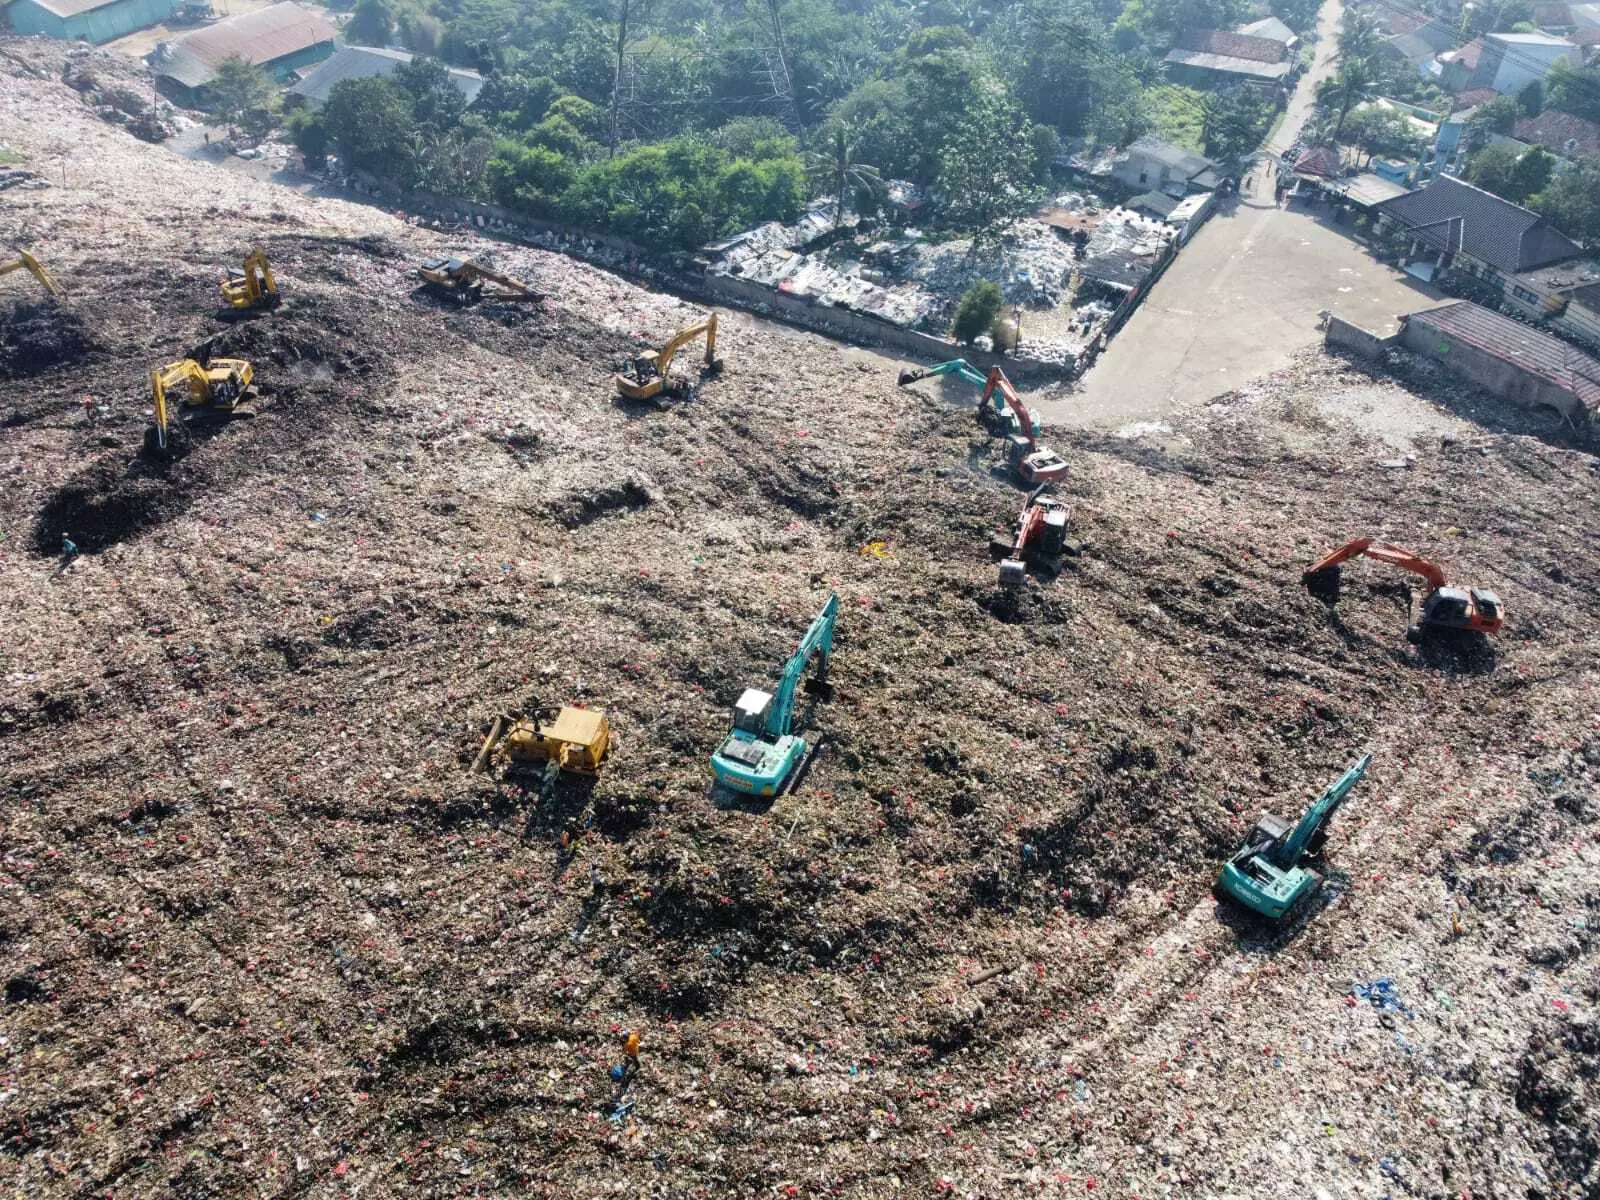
(120, 93)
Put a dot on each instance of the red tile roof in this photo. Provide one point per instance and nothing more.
(1232, 45)
(1560, 133)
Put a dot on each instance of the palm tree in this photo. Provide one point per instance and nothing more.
(835, 163)
(1360, 31)
(1355, 76)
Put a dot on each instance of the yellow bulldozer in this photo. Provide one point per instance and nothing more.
(223, 385)
(649, 375)
(462, 280)
(574, 740)
(27, 262)
(252, 288)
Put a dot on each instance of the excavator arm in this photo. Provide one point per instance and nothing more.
(27, 262)
(518, 290)
(187, 373)
(958, 367)
(683, 337)
(1293, 846)
(818, 641)
(1395, 556)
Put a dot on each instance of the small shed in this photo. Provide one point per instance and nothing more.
(87, 20)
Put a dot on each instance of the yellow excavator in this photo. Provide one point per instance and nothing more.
(224, 385)
(462, 280)
(648, 376)
(252, 288)
(27, 262)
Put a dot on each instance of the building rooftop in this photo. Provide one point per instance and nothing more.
(1232, 45)
(1369, 189)
(1587, 295)
(1222, 62)
(1546, 356)
(1467, 55)
(362, 62)
(1324, 161)
(1560, 133)
(1270, 27)
(259, 37)
(1457, 217)
(1528, 39)
(71, 8)
(1564, 278)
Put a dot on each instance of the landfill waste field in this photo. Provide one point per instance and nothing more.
(264, 933)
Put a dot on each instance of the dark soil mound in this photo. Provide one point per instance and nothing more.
(35, 338)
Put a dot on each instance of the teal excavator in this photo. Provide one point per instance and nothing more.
(998, 417)
(1266, 875)
(760, 756)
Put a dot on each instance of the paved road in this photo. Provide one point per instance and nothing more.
(1242, 298)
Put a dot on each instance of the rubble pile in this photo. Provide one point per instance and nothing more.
(261, 931)
(120, 92)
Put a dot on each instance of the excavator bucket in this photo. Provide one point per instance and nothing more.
(909, 376)
(818, 687)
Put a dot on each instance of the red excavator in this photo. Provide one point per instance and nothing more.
(1035, 463)
(1438, 606)
(1041, 538)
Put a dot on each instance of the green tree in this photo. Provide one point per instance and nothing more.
(1574, 90)
(1532, 172)
(1361, 32)
(1531, 98)
(1495, 116)
(1354, 77)
(309, 134)
(837, 169)
(977, 310)
(1382, 131)
(986, 168)
(1492, 169)
(369, 122)
(1571, 202)
(530, 178)
(435, 101)
(1511, 175)
(242, 94)
(371, 24)
(1232, 124)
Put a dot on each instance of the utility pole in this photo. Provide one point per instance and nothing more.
(788, 81)
(616, 81)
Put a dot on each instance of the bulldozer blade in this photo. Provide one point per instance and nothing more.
(820, 688)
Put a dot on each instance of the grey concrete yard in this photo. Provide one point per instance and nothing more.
(1242, 298)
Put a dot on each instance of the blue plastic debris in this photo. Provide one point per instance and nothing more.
(1382, 994)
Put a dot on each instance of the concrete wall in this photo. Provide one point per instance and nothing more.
(1494, 375)
(1352, 337)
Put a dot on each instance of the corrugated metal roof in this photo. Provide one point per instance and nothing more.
(260, 37)
(363, 62)
(1370, 188)
(1223, 62)
(72, 8)
(1548, 357)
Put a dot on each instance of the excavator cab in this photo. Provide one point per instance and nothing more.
(1473, 609)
